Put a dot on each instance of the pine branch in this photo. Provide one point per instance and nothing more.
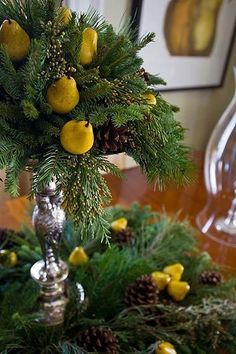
(31, 72)
(52, 165)
(9, 80)
(88, 194)
(13, 172)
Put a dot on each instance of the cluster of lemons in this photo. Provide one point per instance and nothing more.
(170, 279)
(63, 96)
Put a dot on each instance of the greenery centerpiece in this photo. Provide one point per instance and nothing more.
(151, 291)
(72, 91)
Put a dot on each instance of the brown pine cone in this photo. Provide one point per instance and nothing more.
(98, 340)
(143, 74)
(123, 238)
(211, 278)
(110, 139)
(142, 292)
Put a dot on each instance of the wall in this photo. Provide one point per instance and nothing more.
(200, 109)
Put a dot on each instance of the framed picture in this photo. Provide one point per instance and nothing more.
(193, 40)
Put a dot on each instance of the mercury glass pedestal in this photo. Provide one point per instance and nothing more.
(218, 218)
(50, 272)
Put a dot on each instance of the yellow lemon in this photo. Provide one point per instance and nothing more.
(8, 258)
(77, 137)
(161, 279)
(78, 257)
(89, 46)
(66, 14)
(15, 40)
(165, 348)
(178, 289)
(175, 271)
(63, 95)
(150, 98)
(119, 224)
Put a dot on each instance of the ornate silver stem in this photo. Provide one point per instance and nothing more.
(50, 273)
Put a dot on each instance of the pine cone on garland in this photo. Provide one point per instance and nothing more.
(143, 74)
(98, 340)
(211, 278)
(123, 238)
(110, 139)
(142, 292)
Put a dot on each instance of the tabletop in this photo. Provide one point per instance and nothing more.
(184, 202)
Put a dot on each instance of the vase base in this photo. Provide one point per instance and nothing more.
(52, 293)
(216, 228)
(222, 225)
(52, 311)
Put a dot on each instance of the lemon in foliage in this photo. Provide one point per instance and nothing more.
(178, 290)
(77, 137)
(66, 14)
(165, 348)
(15, 40)
(63, 95)
(88, 49)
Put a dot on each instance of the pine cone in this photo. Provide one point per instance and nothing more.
(142, 292)
(110, 139)
(98, 340)
(123, 238)
(211, 278)
(143, 74)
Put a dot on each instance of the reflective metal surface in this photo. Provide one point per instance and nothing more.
(50, 273)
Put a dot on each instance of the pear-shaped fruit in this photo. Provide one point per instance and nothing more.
(66, 14)
(63, 95)
(77, 137)
(78, 257)
(8, 258)
(165, 348)
(161, 279)
(175, 271)
(119, 224)
(150, 98)
(178, 289)
(89, 46)
(15, 40)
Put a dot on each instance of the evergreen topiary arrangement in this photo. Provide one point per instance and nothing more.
(72, 91)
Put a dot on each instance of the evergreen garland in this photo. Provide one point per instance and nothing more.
(203, 322)
(111, 89)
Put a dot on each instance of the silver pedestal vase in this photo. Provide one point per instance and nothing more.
(50, 272)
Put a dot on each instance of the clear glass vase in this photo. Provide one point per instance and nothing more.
(218, 218)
